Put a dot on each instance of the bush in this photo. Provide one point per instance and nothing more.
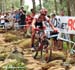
(15, 66)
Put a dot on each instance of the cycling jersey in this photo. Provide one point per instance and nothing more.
(40, 19)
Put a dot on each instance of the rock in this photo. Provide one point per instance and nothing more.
(38, 68)
(2, 49)
(33, 66)
(18, 56)
(52, 64)
(56, 62)
(3, 56)
(70, 60)
(56, 68)
(58, 55)
(72, 68)
(8, 49)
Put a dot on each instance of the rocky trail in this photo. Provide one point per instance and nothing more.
(10, 56)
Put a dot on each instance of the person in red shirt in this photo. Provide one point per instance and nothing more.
(29, 19)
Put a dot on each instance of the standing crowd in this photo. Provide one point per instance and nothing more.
(16, 18)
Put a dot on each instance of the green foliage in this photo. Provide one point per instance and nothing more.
(15, 66)
(65, 46)
(17, 4)
(26, 7)
(9, 3)
(62, 6)
(50, 5)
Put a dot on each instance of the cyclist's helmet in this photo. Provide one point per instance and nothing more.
(43, 11)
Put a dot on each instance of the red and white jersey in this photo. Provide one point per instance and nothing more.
(40, 18)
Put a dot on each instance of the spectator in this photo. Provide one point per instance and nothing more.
(60, 42)
(29, 19)
(65, 36)
(22, 18)
(54, 21)
(32, 13)
(12, 19)
(17, 19)
(2, 19)
(7, 21)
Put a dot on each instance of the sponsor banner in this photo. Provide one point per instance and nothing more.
(65, 26)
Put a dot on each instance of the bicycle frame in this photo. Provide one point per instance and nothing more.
(41, 42)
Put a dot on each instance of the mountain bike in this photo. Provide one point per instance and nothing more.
(42, 42)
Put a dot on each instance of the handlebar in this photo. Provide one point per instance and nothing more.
(39, 28)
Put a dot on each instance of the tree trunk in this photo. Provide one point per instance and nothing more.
(69, 14)
(55, 6)
(21, 2)
(3, 5)
(0, 5)
(68, 7)
(12, 3)
(40, 4)
(72, 6)
(34, 6)
(61, 2)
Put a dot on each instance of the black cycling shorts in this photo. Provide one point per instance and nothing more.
(40, 24)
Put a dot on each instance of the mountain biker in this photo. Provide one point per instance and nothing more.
(38, 21)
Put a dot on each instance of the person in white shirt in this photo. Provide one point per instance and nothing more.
(2, 20)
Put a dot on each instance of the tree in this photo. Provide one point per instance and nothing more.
(72, 7)
(34, 6)
(68, 7)
(40, 4)
(55, 6)
(2, 5)
(21, 2)
(49, 5)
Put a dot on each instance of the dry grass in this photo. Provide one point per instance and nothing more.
(10, 37)
(25, 43)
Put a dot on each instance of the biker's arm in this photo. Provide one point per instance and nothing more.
(33, 23)
(52, 26)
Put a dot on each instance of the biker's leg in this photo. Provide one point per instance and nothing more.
(32, 39)
(40, 48)
(41, 53)
(46, 55)
(36, 54)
